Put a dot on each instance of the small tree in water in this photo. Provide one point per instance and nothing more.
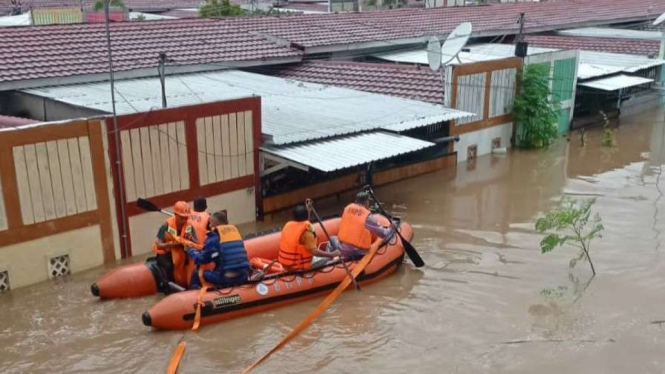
(569, 222)
(534, 111)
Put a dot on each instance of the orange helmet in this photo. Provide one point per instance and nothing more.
(181, 208)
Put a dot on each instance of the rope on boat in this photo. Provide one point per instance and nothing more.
(180, 349)
(322, 307)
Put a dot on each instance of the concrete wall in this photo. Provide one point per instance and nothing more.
(483, 140)
(28, 262)
(240, 205)
(57, 200)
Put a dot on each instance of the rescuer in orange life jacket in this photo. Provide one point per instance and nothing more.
(297, 246)
(225, 249)
(356, 228)
(171, 255)
(200, 220)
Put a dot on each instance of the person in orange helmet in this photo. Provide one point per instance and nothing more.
(171, 253)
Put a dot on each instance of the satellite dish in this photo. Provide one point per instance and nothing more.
(659, 20)
(434, 53)
(455, 41)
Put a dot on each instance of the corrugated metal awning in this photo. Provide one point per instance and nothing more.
(348, 151)
(616, 83)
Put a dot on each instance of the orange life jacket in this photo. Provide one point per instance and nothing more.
(199, 221)
(352, 227)
(180, 270)
(292, 254)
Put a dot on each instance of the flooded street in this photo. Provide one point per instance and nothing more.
(486, 301)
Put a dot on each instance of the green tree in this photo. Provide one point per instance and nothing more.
(569, 222)
(99, 4)
(533, 110)
(220, 8)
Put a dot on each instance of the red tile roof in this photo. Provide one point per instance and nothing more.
(67, 50)
(611, 45)
(405, 81)
(496, 19)
(70, 50)
(133, 5)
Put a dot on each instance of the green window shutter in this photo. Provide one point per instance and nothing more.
(564, 121)
(564, 76)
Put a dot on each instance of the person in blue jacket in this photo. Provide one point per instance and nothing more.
(225, 248)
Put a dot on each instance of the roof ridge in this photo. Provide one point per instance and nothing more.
(385, 65)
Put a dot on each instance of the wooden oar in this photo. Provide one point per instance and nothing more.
(324, 304)
(408, 247)
(310, 204)
(175, 359)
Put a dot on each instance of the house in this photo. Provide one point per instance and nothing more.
(484, 81)
(485, 88)
(317, 141)
(68, 189)
(616, 74)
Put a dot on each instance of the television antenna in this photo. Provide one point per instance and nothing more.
(454, 43)
(434, 53)
(659, 20)
(452, 46)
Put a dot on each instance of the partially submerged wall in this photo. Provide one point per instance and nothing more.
(55, 206)
(488, 90)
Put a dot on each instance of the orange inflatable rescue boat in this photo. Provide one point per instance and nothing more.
(144, 279)
(177, 311)
(277, 288)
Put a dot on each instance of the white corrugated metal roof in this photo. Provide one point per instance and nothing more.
(292, 111)
(24, 19)
(607, 32)
(596, 64)
(477, 53)
(616, 83)
(592, 64)
(148, 16)
(348, 151)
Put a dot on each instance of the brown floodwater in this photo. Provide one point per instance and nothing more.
(486, 302)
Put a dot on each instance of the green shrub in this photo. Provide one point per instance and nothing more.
(533, 110)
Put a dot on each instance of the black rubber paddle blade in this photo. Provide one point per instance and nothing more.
(408, 247)
(147, 205)
(412, 253)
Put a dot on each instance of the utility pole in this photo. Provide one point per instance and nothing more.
(162, 76)
(521, 46)
(521, 22)
(116, 133)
